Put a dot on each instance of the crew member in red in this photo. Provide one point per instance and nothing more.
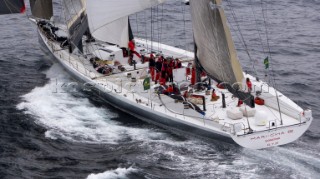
(193, 76)
(158, 68)
(214, 96)
(170, 89)
(162, 81)
(152, 65)
(249, 85)
(188, 68)
(240, 102)
(164, 69)
(132, 47)
(170, 70)
(178, 63)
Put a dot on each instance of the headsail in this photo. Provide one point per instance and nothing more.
(111, 15)
(117, 32)
(41, 9)
(76, 20)
(215, 48)
(12, 6)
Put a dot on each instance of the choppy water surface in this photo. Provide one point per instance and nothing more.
(52, 132)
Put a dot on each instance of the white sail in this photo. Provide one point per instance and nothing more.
(106, 16)
(116, 32)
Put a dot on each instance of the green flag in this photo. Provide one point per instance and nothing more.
(146, 83)
(266, 62)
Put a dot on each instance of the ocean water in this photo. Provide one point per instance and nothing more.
(49, 131)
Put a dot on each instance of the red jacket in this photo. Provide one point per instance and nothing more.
(162, 81)
(131, 45)
(249, 84)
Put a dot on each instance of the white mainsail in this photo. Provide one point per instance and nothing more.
(111, 17)
(215, 48)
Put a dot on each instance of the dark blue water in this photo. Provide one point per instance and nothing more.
(51, 132)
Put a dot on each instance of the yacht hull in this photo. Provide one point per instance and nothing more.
(256, 140)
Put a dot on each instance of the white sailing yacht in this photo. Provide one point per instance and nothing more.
(212, 99)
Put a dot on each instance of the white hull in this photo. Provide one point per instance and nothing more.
(109, 89)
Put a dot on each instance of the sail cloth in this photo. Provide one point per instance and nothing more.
(12, 6)
(73, 10)
(215, 48)
(41, 8)
(76, 20)
(117, 32)
(102, 13)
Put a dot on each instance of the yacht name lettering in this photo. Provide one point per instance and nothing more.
(276, 134)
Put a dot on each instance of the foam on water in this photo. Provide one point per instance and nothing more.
(73, 117)
(120, 173)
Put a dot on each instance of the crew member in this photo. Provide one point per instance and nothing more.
(158, 68)
(164, 68)
(169, 90)
(170, 70)
(162, 81)
(132, 47)
(214, 96)
(249, 85)
(178, 63)
(152, 65)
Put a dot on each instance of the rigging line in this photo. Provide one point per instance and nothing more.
(161, 24)
(151, 30)
(137, 23)
(145, 28)
(257, 27)
(264, 14)
(234, 30)
(9, 5)
(274, 80)
(157, 23)
(184, 24)
(183, 6)
(241, 35)
(176, 34)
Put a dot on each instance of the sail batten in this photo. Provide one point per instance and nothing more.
(216, 51)
(106, 15)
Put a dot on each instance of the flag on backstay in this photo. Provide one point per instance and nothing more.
(266, 62)
(146, 83)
